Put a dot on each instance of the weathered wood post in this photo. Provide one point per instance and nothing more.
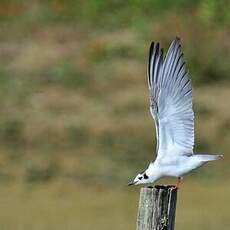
(157, 208)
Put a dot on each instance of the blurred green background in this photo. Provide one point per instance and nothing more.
(74, 121)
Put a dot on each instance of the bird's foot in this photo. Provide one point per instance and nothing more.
(173, 188)
(176, 187)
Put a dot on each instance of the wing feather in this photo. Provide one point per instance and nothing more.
(171, 100)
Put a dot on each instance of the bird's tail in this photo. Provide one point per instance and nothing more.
(209, 157)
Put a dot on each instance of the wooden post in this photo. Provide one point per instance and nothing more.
(157, 208)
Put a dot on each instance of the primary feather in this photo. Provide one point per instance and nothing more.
(171, 100)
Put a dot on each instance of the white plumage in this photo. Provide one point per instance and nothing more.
(170, 92)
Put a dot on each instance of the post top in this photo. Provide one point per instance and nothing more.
(160, 187)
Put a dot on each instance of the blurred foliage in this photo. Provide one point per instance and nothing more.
(74, 101)
(70, 206)
(40, 171)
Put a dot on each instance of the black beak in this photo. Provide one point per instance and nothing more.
(131, 183)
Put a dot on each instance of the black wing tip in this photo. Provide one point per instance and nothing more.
(154, 50)
(157, 44)
(177, 39)
(151, 48)
(154, 45)
(176, 42)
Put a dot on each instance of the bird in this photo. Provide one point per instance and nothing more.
(170, 94)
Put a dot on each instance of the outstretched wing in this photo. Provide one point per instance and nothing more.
(171, 100)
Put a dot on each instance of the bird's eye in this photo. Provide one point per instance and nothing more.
(145, 176)
(140, 177)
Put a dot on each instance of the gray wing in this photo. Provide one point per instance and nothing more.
(171, 100)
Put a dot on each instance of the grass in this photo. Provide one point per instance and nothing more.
(66, 205)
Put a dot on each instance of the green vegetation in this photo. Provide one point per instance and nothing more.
(63, 205)
(74, 107)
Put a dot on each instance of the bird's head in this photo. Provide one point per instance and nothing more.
(141, 178)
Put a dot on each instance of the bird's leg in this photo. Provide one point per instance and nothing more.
(179, 179)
